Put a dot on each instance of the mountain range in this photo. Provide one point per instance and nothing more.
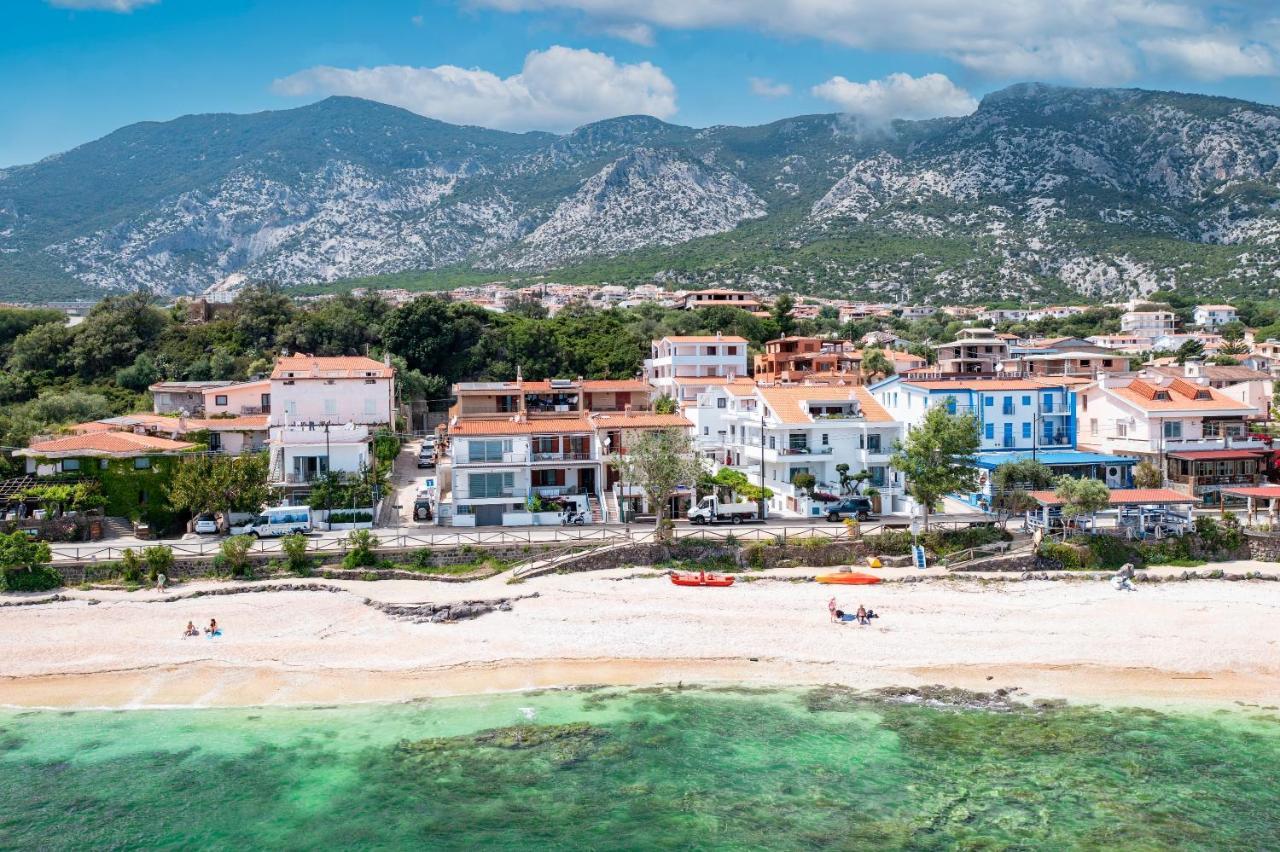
(1043, 193)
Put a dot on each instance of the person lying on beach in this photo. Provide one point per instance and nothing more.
(191, 630)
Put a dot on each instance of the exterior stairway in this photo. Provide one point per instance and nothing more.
(612, 515)
(116, 527)
(593, 505)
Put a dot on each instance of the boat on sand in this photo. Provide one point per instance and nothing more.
(702, 578)
(848, 578)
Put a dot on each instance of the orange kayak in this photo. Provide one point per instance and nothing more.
(849, 578)
(702, 579)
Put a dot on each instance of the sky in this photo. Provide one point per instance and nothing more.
(74, 70)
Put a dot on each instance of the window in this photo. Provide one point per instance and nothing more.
(1122, 430)
(951, 405)
(141, 463)
(873, 443)
(1026, 430)
(988, 400)
(991, 431)
(706, 430)
(1093, 427)
(720, 402)
(370, 406)
(825, 439)
(70, 464)
(731, 350)
(330, 406)
(220, 399)
(491, 484)
(1173, 428)
(773, 442)
(1026, 400)
(487, 451)
(291, 407)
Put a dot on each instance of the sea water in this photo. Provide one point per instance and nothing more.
(642, 769)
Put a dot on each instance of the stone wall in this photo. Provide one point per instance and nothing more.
(751, 555)
(1263, 546)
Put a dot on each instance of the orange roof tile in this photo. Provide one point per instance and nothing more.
(641, 420)
(975, 384)
(509, 426)
(106, 444)
(1173, 397)
(787, 402)
(1128, 497)
(344, 366)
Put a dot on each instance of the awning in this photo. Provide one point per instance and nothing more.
(1259, 492)
(1217, 455)
(1052, 458)
(1129, 497)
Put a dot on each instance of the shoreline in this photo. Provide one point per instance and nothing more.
(1212, 644)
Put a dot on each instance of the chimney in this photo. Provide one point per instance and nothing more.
(719, 335)
(519, 373)
(626, 410)
(386, 359)
(1193, 369)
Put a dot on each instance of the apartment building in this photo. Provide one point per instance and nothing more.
(975, 350)
(323, 415)
(520, 451)
(725, 298)
(1181, 424)
(1252, 387)
(1063, 356)
(181, 397)
(682, 367)
(238, 399)
(1148, 321)
(1214, 316)
(772, 434)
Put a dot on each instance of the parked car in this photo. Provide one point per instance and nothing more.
(850, 507)
(277, 521)
(206, 525)
(427, 457)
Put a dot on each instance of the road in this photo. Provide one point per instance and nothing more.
(413, 536)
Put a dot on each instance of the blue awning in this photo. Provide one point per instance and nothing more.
(1053, 458)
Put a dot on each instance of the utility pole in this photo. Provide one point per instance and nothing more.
(762, 500)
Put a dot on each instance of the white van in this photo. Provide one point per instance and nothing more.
(277, 520)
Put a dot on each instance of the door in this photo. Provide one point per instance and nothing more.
(489, 515)
(587, 480)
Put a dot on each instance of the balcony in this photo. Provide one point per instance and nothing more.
(491, 494)
(250, 410)
(805, 451)
(1196, 482)
(570, 456)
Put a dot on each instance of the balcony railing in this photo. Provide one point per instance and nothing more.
(563, 456)
(805, 451)
(490, 493)
(247, 410)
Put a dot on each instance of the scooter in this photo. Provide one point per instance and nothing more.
(570, 517)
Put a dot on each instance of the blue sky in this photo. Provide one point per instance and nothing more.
(73, 70)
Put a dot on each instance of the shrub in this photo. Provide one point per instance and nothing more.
(295, 553)
(159, 559)
(360, 545)
(36, 578)
(423, 559)
(131, 570)
(942, 542)
(1065, 556)
(1110, 552)
(234, 554)
(754, 553)
(890, 543)
(347, 516)
(812, 543)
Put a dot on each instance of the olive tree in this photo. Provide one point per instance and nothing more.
(658, 462)
(938, 457)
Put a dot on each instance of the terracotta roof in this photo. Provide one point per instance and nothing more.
(1265, 492)
(640, 420)
(1216, 455)
(1128, 497)
(344, 366)
(235, 386)
(1215, 373)
(786, 401)
(1145, 395)
(106, 444)
(248, 422)
(509, 426)
(976, 384)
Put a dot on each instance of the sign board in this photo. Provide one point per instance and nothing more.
(918, 557)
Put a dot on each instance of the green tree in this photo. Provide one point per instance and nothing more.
(141, 375)
(258, 313)
(938, 457)
(1010, 483)
(43, 349)
(115, 332)
(1081, 496)
(805, 482)
(665, 405)
(782, 314)
(23, 563)
(1147, 474)
(876, 364)
(657, 462)
(1190, 350)
(211, 483)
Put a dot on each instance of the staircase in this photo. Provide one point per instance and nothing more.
(611, 507)
(116, 527)
(593, 506)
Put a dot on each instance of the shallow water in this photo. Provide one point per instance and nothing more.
(707, 768)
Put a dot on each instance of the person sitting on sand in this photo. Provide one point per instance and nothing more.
(832, 609)
(191, 630)
(212, 629)
(862, 615)
(1123, 579)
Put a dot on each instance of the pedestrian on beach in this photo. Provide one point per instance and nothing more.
(161, 582)
(862, 615)
(832, 608)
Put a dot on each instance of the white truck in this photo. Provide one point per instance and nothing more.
(710, 510)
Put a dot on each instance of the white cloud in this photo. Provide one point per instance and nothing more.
(1092, 41)
(1211, 58)
(766, 88)
(641, 34)
(557, 89)
(876, 102)
(103, 5)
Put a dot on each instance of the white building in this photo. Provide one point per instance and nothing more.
(1214, 316)
(323, 414)
(1148, 321)
(773, 434)
(677, 365)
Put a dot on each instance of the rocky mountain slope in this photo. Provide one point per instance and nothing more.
(1043, 192)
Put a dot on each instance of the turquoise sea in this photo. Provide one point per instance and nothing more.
(642, 769)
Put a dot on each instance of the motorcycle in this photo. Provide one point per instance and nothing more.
(573, 518)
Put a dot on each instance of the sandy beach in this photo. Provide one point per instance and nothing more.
(1207, 642)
